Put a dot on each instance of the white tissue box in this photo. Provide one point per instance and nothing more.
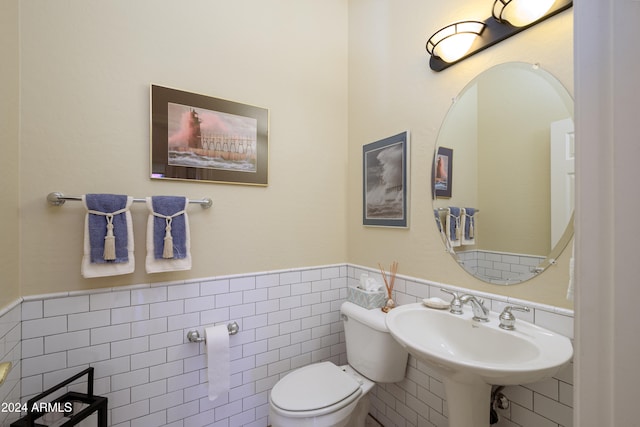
(367, 299)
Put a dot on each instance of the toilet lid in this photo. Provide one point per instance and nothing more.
(313, 387)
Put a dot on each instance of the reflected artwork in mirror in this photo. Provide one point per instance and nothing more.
(511, 212)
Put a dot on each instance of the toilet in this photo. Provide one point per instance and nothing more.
(326, 395)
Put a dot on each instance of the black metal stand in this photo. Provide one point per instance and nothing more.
(95, 403)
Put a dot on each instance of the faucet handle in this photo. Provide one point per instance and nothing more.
(456, 304)
(507, 319)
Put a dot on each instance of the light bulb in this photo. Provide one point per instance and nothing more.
(455, 47)
(520, 13)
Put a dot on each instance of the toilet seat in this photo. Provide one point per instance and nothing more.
(315, 390)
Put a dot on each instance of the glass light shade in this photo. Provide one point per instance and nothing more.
(520, 13)
(454, 41)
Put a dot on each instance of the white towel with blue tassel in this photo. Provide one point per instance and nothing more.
(168, 237)
(108, 236)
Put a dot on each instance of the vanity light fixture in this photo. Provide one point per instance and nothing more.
(508, 17)
(454, 41)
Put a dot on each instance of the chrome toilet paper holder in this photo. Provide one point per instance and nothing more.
(194, 335)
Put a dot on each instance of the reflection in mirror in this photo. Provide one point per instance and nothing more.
(505, 150)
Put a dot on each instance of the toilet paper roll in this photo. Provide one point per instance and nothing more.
(217, 347)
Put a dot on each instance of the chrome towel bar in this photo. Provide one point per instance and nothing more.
(58, 199)
(444, 209)
(194, 335)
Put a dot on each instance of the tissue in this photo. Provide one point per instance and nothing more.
(369, 283)
(368, 294)
(372, 285)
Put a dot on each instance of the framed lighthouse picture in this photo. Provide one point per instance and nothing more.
(200, 138)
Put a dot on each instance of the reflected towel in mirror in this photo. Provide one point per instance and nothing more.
(453, 229)
(468, 225)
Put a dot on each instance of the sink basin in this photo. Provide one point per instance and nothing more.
(466, 349)
(472, 356)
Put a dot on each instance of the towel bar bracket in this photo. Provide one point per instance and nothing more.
(56, 199)
(194, 335)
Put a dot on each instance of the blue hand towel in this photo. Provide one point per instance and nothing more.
(168, 240)
(453, 226)
(169, 226)
(106, 209)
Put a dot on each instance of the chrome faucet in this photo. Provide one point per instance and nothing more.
(480, 312)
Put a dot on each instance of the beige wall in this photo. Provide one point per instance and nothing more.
(9, 159)
(86, 70)
(392, 89)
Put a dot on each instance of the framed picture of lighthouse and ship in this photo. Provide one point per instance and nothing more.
(200, 138)
(385, 184)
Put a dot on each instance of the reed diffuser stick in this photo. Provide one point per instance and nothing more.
(384, 277)
(389, 284)
(394, 270)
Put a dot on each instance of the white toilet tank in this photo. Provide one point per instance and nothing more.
(371, 350)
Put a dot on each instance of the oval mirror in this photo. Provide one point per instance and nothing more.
(503, 174)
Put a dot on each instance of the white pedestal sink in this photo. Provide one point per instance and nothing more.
(472, 356)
